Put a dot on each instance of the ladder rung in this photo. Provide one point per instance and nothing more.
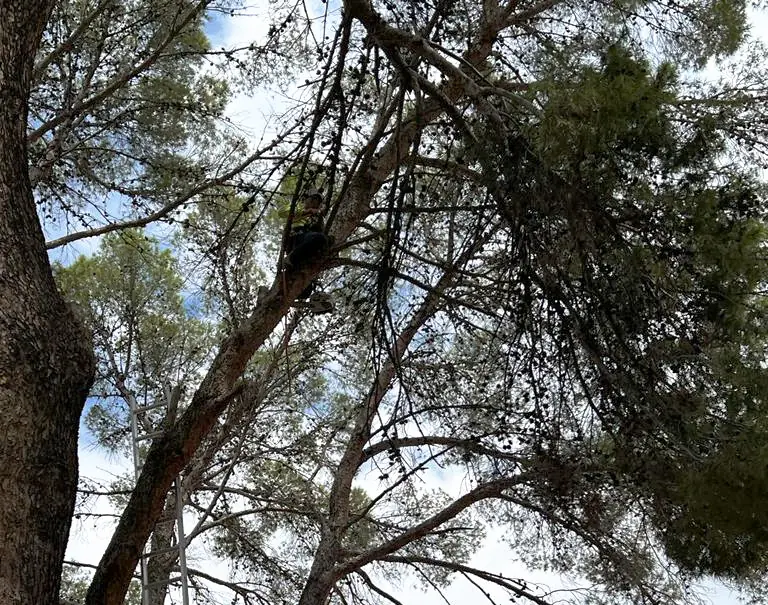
(154, 406)
(162, 551)
(162, 582)
(149, 436)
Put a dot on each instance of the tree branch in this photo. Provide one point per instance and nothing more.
(505, 583)
(492, 489)
(120, 80)
(379, 591)
(67, 44)
(464, 444)
(168, 208)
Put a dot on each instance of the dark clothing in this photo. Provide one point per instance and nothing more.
(304, 246)
(301, 217)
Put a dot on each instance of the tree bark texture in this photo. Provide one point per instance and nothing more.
(160, 567)
(46, 361)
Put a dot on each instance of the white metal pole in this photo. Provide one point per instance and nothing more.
(136, 472)
(182, 542)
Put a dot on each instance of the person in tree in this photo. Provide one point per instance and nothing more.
(307, 241)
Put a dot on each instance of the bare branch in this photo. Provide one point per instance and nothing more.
(379, 591)
(470, 445)
(492, 489)
(506, 583)
(168, 208)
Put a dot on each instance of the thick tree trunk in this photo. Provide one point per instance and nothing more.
(46, 362)
(321, 578)
(161, 567)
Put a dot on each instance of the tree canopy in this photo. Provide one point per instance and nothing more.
(547, 224)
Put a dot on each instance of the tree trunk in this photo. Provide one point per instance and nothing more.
(160, 567)
(46, 362)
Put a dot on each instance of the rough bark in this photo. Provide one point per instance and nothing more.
(160, 567)
(46, 361)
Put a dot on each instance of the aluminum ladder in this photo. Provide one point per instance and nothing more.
(138, 435)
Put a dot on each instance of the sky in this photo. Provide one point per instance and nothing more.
(90, 536)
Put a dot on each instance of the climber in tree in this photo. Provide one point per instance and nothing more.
(307, 241)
